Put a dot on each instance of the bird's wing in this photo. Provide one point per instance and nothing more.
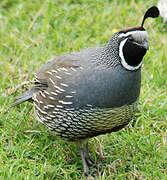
(55, 68)
(53, 83)
(66, 66)
(49, 80)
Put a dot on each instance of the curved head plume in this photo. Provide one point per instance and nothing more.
(151, 12)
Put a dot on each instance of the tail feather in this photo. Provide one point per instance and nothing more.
(24, 97)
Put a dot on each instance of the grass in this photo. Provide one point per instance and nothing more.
(33, 32)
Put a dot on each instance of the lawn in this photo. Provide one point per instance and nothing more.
(32, 33)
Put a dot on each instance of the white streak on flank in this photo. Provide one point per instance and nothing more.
(52, 116)
(123, 61)
(38, 115)
(73, 92)
(50, 128)
(54, 112)
(69, 96)
(35, 98)
(42, 94)
(73, 69)
(58, 77)
(41, 102)
(67, 73)
(50, 106)
(59, 69)
(64, 102)
(60, 89)
(80, 67)
(53, 93)
(47, 117)
(70, 109)
(56, 109)
(46, 92)
(59, 106)
(36, 80)
(43, 119)
(89, 105)
(64, 69)
(64, 111)
(51, 81)
(54, 71)
(52, 98)
(43, 112)
(65, 85)
(49, 72)
(46, 107)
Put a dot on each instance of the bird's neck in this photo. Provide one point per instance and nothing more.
(109, 56)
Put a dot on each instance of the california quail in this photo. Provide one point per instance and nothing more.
(95, 91)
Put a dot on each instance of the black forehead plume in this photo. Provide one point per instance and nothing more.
(151, 12)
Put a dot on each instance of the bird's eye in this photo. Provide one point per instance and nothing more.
(131, 38)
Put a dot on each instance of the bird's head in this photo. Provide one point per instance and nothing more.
(133, 42)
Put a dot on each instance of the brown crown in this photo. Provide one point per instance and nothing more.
(128, 29)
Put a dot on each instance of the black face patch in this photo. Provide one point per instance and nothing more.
(133, 53)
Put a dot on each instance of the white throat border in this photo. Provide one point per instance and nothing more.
(123, 61)
(139, 36)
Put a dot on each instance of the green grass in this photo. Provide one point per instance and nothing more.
(33, 32)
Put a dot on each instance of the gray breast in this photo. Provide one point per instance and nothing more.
(106, 88)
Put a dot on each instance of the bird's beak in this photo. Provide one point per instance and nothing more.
(145, 45)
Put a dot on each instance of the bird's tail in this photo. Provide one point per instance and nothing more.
(24, 97)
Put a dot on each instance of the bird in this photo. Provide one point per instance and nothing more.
(162, 6)
(80, 95)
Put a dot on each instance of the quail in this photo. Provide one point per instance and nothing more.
(84, 94)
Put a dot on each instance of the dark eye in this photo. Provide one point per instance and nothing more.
(131, 38)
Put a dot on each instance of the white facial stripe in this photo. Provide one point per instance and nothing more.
(123, 62)
(138, 36)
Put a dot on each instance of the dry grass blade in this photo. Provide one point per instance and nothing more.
(32, 132)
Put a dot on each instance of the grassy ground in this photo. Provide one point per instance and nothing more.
(33, 32)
